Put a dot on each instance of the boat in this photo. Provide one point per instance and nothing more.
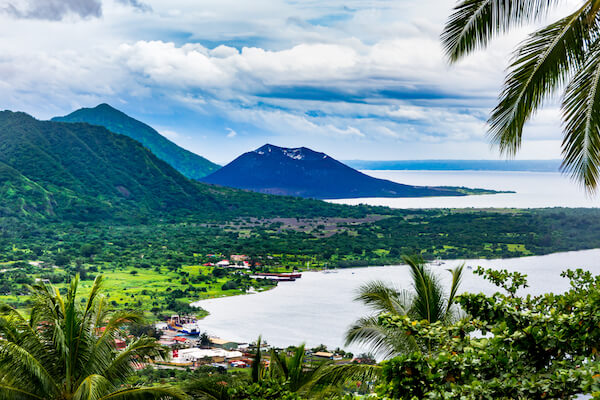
(294, 275)
(274, 277)
(185, 325)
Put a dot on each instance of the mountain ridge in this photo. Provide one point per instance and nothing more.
(307, 173)
(81, 172)
(188, 163)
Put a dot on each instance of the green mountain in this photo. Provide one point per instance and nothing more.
(82, 172)
(189, 164)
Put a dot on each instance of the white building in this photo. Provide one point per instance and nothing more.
(195, 354)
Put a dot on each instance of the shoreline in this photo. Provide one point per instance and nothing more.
(195, 304)
(287, 316)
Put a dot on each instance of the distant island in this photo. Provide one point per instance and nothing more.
(303, 172)
(458, 165)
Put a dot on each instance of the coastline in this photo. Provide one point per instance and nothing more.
(286, 314)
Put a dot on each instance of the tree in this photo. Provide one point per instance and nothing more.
(293, 371)
(510, 347)
(65, 349)
(258, 369)
(204, 340)
(427, 301)
(565, 52)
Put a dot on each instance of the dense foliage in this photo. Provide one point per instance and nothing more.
(427, 299)
(54, 171)
(65, 349)
(509, 347)
(189, 164)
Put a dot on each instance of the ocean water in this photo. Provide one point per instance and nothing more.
(533, 190)
(319, 307)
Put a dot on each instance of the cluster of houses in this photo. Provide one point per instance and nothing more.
(192, 351)
(238, 261)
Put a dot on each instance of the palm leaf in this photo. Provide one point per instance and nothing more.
(429, 299)
(475, 22)
(382, 341)
(279, 365)
(92, 387)
(134, 354)
(581, 111)
(340, 374)
(146, 393)
(454, 286)
(17, 363)
(542, 63)
(14, 393)
(383, 298)
(257, 363)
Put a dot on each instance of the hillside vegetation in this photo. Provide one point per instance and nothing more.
(189, 164)
(82, 172)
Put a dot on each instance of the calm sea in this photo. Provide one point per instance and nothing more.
(533, 190)
(319, 307)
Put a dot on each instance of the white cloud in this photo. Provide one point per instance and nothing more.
(376, 77)
(231, 133)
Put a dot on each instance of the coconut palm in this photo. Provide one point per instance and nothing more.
(65, 350)
(294, 370)
(427, 300)
(562, 55)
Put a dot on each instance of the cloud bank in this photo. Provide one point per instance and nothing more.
(56, 10)
(359, 80)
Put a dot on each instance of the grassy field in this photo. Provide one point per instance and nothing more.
(150, 290)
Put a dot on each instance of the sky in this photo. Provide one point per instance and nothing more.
(355, 79)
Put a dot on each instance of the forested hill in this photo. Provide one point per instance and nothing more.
(79, 171)
(189, 164)
(307, 173)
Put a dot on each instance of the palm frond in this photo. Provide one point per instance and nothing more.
(298, 376)
(93, 387)
(212, 388)
(135, 353)
(17, 363)
(542, 63)
(475, 22)
(147, 393)
(384, 342)
(278, 365)
(383, 298)
(257, 363)
(455, 285)
(15, 393)
(581, 112)
(429, 299)
(340, 374)
(116, 321)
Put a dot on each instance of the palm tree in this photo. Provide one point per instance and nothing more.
(65, 350)
(294, 370)
(258, 369)
(426, 301)
(564, 54)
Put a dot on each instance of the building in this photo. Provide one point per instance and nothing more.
(324, 354)
(224, 344)
(195, 355)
